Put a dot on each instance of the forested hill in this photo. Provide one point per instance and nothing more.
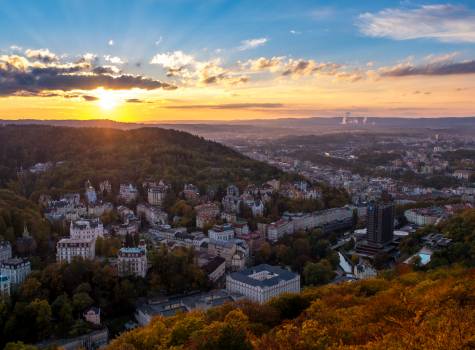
(402, 310)
(117, 155)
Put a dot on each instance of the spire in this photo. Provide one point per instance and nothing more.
(25, 231)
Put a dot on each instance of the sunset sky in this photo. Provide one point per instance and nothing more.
(199, 60)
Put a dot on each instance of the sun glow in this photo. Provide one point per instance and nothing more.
(108, 100)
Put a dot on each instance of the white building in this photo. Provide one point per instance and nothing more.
(221, 233)
(86, 229)
(235, 252)
(67, 208)
(132, 261)
(99, 208)
(152, 214)
(231, 200)
(463, 174)
(90, 193)
(68, 248)
(5, 251)
(128, 192)
(105, 186)
(424, 216)
(278, 229)
(240, 227)
(93, 315)
(16, 269)
(191, 192)
(40, 167)
(257, 208)
(4, 286)
(301, 221)
(156, 194)
(330, 215)
(263, 282)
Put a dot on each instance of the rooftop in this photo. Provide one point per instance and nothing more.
(131, 250)
(85, 223)
(15, 262)
(263, 275)
(171, 306)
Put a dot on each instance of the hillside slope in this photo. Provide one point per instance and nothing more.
(117, 155)
(414, 310)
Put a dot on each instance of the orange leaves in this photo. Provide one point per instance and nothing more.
(433, 310)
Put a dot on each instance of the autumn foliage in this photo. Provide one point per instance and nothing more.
(404, 310)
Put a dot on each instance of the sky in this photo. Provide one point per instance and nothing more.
(153, 60)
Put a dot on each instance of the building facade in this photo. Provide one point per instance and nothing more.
(221, 233)
(424, 216)
(380, 222)
(93, 315)
(90, 193)
(206, 214)
(5, 251)
(68, 248)
(278, 229)
(86, 229)
(16, 269)
(4, 286)
(128, 192)
(263, 282)
(156, 194)
(132, 261)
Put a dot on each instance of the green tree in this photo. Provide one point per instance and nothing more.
(318, 273)
(81, 301)
(19, 346)
(40, 313)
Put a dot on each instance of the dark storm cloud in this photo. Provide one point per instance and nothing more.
(20, 76)
(446, 68)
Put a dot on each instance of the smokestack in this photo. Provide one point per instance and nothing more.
(344, 121)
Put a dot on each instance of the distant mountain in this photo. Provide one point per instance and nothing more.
(271, 128)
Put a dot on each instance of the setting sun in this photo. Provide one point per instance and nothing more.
(108, 100)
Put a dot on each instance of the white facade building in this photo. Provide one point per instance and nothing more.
(424, 216)
(16, 269)
(301, 221)
(263, 282)
(221, 233)
(86, 229)
(128, 192)
(278, 229)
(105, 186)
(99, 208)
(132, 261)
(257, 208)
(5, 251)
(152, 214)
(68, 248)
(82, 241)
(4, 286)
(156, 194)
(90, 193)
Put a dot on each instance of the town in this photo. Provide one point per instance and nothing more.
(255, 242)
